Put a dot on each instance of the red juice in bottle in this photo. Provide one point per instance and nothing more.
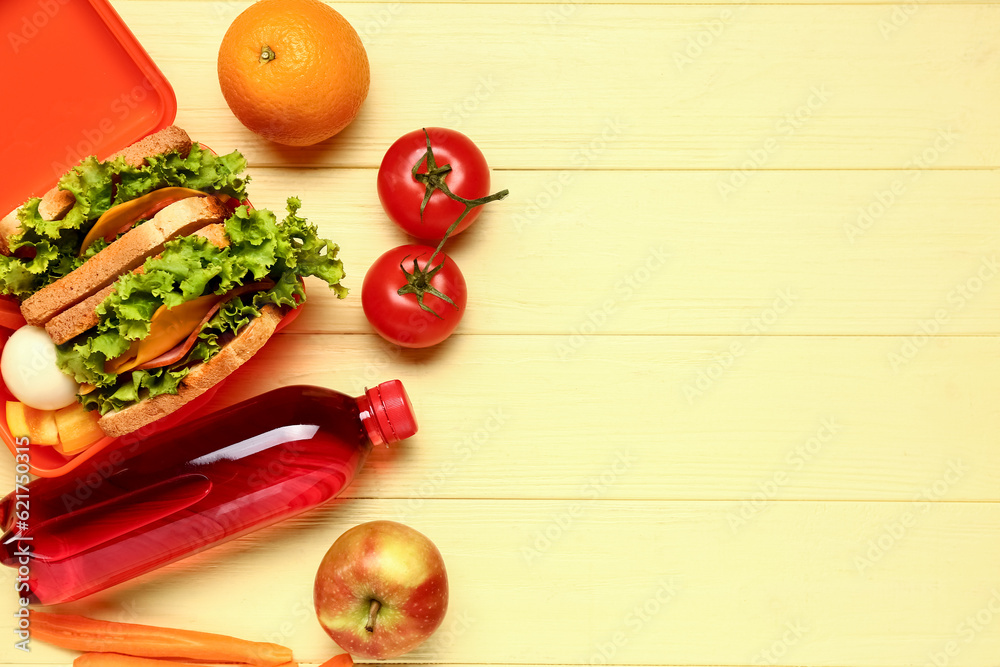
(195, 486)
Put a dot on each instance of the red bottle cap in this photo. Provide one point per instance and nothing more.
(393, 411)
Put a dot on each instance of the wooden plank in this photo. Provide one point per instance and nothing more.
(660, 252)
(622, 86)
(689, 477)
(649, 417)
(798, 587)
(562, 12)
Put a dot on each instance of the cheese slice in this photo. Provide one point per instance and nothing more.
(175, 330)
(167, 328)
(124, 215)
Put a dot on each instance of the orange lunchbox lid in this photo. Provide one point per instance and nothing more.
(76, 83)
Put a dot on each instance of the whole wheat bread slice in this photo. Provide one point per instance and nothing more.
(56, 203)
(199, 379)
(9, 226)
(83, 316)
(122, 256)
(170, 138)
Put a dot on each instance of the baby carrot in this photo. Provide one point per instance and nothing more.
(87, 634)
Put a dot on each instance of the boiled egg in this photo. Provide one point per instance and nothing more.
(29, 370)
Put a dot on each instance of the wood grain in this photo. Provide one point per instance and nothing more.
(726, 391)
(614, 252)
(560, 12)
(647, 417)
(558, 582)
(779, 87)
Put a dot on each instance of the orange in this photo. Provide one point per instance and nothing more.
(293, 71)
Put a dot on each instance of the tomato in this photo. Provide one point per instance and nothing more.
(399, 318)
(454, 161)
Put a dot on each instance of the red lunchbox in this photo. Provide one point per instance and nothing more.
(76, 82)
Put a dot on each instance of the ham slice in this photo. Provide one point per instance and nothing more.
(179, 351)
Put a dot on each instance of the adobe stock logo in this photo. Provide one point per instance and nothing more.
(32, 23)
(968, 630)
(786, 126)
(90, 139)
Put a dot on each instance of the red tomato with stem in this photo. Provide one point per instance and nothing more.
(402, 296)
(429, 178)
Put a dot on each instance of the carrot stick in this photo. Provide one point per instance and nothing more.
(87, 634)
(342, 660)
(119, 660)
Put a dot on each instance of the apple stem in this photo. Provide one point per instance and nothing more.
(372, 614)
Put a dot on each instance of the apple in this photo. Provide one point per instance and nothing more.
(381, 590)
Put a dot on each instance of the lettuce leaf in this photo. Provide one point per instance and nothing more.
(47, 250)
(84, 359)
(305, 254)
(199, 170)
(92, 183)
(254, 237)
(260, 247)
(136, 385)
(133, 387)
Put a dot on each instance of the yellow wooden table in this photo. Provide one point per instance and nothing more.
(727, 389)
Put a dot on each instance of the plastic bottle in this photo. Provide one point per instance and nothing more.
(195, 486)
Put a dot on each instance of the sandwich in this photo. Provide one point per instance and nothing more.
(153, 276)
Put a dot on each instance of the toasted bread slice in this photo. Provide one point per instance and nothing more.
(83, 316)
(122, 256)
(199, 379)
(56, 203)
(170, 138)
(79, 318)
(9, 226)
